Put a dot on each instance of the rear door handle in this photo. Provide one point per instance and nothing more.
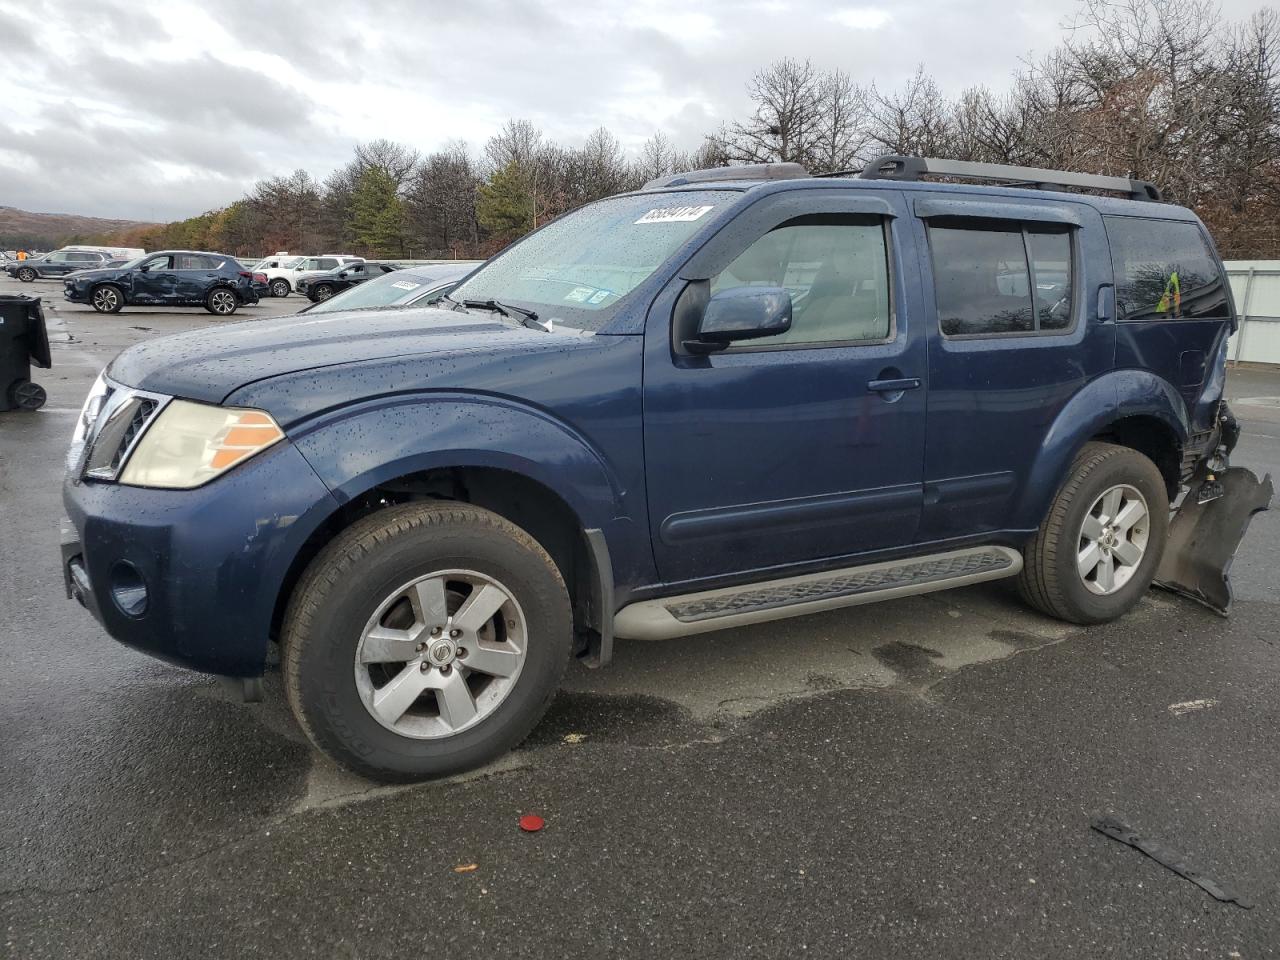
(893, 386)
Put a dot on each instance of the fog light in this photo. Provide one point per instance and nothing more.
(128, 589)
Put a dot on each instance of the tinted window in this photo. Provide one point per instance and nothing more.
(1001, 279)
(1164, 270)
(57, 258)
(327, 263)
(194, 261)
(836, 269)
(1051, 276)
(83, 257)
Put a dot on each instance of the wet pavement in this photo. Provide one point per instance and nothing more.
(913, 778)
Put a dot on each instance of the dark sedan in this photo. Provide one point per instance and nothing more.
(322, 286)
(416, 286)
(168, 278)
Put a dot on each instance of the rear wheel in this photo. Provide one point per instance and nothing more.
(107, 299)
(280, 287)
(221, 301)
(424, 640)
(26, 274)
(1098, 549)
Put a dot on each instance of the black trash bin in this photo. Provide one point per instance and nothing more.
(23, 341)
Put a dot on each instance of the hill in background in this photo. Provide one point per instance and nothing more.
(22, 229)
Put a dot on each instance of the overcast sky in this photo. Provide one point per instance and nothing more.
(159, 111)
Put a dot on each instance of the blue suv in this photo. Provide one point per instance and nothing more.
(167, 278)
(733, 396)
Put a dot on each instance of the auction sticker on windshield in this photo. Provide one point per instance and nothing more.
(674, 214)
(406, 285)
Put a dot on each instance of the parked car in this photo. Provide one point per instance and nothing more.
(284, 279)
(322, 286)
(165, 279)
(57, 264)
(407, 287)
(279, 272)
(734, 396)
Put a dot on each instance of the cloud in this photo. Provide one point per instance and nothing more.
(118, 108)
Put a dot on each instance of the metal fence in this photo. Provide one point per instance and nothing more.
(1255, 284)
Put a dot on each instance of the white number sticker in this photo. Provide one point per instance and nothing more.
(406, 285)
(675, 214)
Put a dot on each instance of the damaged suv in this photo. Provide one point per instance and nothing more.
(734, 396)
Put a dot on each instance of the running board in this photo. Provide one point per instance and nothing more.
(738, 606)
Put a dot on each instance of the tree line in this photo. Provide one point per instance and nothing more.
(1162, 90)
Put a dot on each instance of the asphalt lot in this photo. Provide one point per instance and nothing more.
(914, 778)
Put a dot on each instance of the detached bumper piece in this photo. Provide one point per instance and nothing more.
(1206, 532)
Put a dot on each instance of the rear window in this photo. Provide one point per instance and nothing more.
(1165, 270)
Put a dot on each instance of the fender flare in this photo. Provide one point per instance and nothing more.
(1112, 397)
(357, 448)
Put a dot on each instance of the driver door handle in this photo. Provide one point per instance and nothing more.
(893, 386)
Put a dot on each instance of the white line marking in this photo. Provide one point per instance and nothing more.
(1190, 706)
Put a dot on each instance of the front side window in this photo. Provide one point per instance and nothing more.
(158, 263)
(1001, 278)
(57, 258)
(577, 269)
(836, 270)
(1164, 270)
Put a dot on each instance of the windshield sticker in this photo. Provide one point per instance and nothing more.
(599, 296)
(675, 214)
(406, 285)
(579, 294)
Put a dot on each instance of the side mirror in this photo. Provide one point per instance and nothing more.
(144, 268)
(741, 313)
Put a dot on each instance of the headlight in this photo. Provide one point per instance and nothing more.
(191, 443)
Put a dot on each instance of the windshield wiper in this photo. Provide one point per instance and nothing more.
(526, 317)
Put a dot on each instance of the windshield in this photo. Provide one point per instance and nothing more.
(577, 269)
(388, 290)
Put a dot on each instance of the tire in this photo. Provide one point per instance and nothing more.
(107, 298)
(222, 301)
(25, 395)
(1058, 576)
(26, 274)
(280, 287)
(321, 292)
(341, 599)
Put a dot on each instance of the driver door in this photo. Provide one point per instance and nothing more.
(155, 280)
(789, 449)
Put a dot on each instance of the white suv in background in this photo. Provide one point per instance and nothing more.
(283, 271)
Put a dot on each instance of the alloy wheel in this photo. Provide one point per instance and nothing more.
(440, 654)
(106, 299)
(1113, 539)
(223, 302)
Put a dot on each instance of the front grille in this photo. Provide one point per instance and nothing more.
(117, 436)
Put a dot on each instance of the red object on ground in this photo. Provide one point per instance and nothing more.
(531, 823)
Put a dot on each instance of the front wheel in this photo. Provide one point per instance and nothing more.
(424, 640)
(221, 302)
(321, 292)
(280, 287)
(1098, 549)
(26, 274)
(107, 299)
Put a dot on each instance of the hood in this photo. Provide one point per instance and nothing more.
(210, 364)
(97, 273)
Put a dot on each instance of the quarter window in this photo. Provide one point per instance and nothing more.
(1164, 270)
(1003, 279)
(836, 270)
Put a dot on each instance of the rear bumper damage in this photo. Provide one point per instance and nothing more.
(1208, 526)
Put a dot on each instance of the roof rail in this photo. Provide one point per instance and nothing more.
(896, 167)
(746, 171)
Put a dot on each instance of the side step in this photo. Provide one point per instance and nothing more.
(692, 613)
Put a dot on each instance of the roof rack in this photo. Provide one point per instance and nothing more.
(746, 171)
(896, 167)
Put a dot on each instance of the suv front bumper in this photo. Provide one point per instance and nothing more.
(193, 576)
